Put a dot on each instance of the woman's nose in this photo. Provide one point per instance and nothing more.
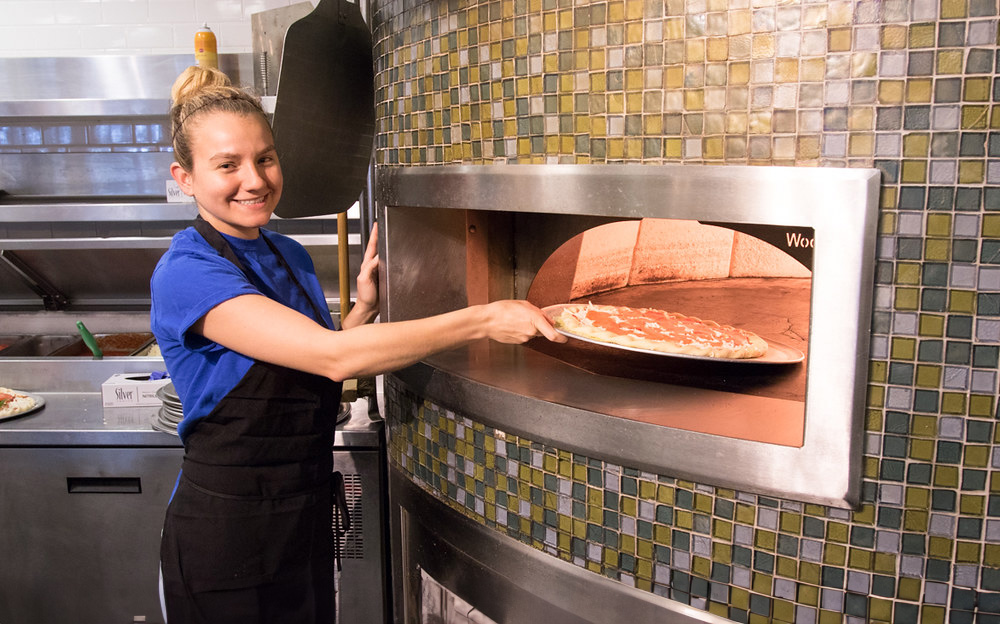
(253, 177)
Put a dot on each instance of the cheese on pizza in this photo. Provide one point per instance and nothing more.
(13, 403)
(657, 330)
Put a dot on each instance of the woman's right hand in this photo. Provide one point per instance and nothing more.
(515, 321)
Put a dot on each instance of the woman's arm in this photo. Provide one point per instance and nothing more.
(266, 330)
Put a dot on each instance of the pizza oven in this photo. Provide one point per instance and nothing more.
(787, 253)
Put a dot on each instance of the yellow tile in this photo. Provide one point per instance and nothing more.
(835, 554)
(953, 403)
(808, 594)
(974, 117)
(694, 100)
(763, 46)
(922, 35)
(633, 33)
(971, 171)
(565, 19)
(922, 450)
(894, 37)
(919, 91)
(812, 69)
(976, 89)
(860, 559)
(861, 119)
(976, 456)
(694, 50)
(673, 148)
(740, 21)
(915, 520)
(914, 172)
(885, 563)
(946, 476)
(712, 148)
(950, 61)
(891, 91)
(861, 145)
(673, 28)
(739, 73)
(652, 125)
(718, 49)
(615, 102)
(809, 147)
(916, 145)
(839, 39)
(951, 9)
(980, 406)
(786, 70)
(972, 504)
(962, 301)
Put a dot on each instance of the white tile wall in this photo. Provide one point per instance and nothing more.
(89, 27)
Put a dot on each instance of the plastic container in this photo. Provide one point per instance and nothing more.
(205, 49)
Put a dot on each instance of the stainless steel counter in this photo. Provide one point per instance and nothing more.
(78, 419)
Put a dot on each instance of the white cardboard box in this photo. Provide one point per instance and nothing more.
(131, 389)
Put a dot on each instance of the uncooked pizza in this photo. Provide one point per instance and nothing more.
(656, 330)
(13, 403)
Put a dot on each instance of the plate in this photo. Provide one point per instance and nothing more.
(777, 353)
(39, 404)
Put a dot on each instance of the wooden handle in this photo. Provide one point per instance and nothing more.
(344, 265)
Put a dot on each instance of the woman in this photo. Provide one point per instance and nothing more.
(241, 321)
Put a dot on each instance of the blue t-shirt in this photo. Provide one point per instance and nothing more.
(192, 278)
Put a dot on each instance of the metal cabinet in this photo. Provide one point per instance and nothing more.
(79, 533)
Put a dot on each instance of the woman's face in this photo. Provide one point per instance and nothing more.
(235, 177)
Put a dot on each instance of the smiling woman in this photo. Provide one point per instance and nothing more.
(245, 332)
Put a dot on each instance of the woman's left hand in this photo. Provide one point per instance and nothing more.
(367, 303)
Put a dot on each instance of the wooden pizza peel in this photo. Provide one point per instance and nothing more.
(324, 110)
(324, 118)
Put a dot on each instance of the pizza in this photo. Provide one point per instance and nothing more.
(656, 330)
(13, 403)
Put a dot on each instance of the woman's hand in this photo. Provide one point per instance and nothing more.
(517, 321)
(366, 306)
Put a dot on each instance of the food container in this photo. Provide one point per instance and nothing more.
(38, 346)
(112, 345)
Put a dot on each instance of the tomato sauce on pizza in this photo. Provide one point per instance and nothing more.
(658, 330)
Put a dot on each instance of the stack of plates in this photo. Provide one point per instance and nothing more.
(171, 413)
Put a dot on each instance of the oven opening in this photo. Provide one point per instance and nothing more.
(752, 277)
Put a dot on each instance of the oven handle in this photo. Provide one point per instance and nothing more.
(104, 485)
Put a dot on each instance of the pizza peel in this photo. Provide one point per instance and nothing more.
(324, 110)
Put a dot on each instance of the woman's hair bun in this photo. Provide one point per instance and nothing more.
(196, 80)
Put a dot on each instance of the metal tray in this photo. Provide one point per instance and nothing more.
(37, 346)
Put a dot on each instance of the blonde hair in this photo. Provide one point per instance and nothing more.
(201, 90)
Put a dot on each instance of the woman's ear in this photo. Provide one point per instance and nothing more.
(182, 177)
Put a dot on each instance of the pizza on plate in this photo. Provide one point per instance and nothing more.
(656, 330)
(13, 402)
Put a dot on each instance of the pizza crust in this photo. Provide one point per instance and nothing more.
(657, 330)
(13, 403)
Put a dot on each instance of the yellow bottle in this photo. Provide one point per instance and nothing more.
(205, 52)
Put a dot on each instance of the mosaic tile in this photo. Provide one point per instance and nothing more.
(905, 87)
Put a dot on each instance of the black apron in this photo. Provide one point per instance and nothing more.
(248, 534)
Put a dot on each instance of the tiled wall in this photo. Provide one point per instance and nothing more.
(87, 27)
(907, 86)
